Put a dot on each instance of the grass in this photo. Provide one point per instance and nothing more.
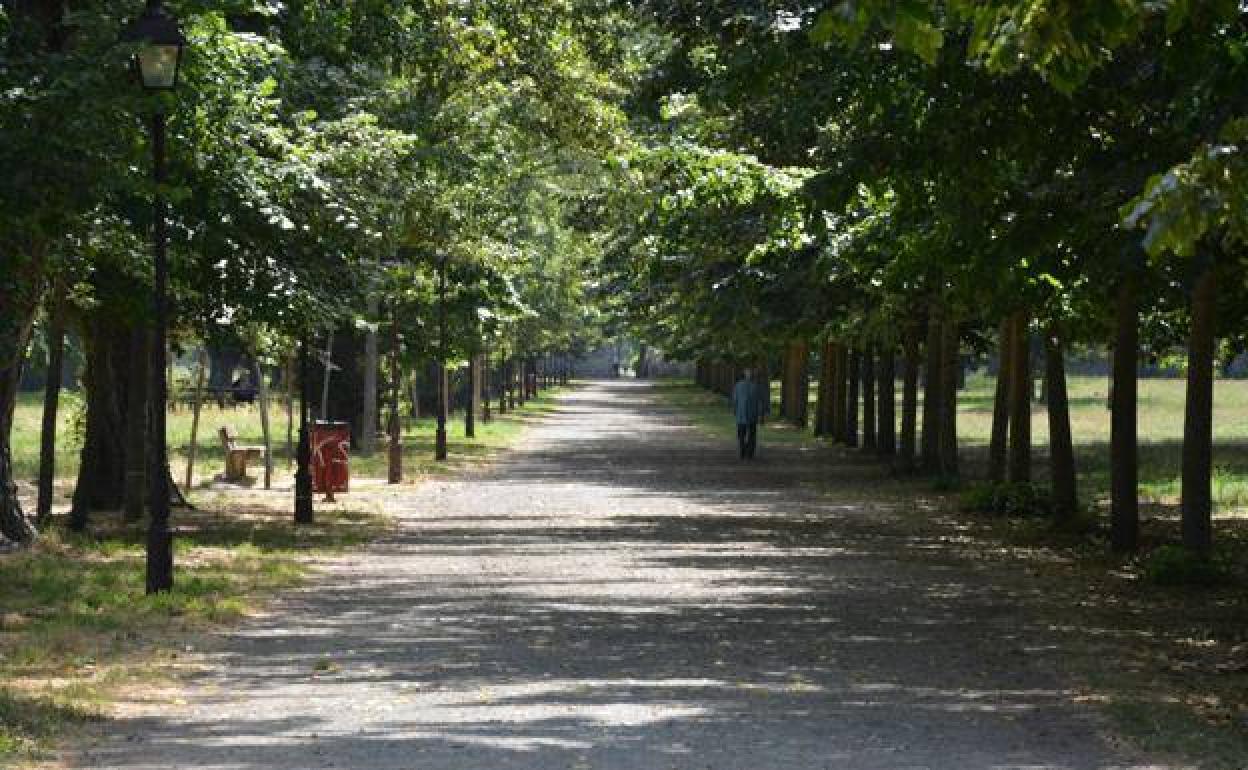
(244, 421)
(77, 632)
(1167, 664)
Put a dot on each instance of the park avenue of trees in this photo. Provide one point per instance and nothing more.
(869, 190)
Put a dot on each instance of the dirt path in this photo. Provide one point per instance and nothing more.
(623, 593)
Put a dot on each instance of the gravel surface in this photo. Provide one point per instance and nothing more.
(622, 592)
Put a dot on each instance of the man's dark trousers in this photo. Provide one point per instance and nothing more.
(747, 439)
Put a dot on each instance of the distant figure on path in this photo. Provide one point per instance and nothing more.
(747, 406)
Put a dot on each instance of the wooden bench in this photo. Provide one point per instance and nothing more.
(237, 456)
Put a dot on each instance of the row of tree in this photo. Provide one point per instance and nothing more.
(890, 181)
(406, 174)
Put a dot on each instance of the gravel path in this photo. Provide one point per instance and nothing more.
(623, 593)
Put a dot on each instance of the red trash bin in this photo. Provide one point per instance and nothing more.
(331, 457)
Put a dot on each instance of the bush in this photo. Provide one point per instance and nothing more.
(1176, 565)
(1011, 498)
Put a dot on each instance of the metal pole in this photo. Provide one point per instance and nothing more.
(159, 537)
(303, 470)
(440, 439)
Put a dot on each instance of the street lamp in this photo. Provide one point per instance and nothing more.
(157, 61)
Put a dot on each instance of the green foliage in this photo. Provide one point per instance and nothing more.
(1012, 499)
(1175, 565)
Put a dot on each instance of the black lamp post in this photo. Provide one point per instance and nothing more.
(157, 62)
(303, 454)
(440, 438)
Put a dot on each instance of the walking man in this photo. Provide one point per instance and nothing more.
(747, 406)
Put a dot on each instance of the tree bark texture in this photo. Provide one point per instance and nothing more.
(135, 501)
(1020, 398)
(102, 469)
(1198, 421)
(51, 403)
(869, 425)
(950, 364)
(370, 367)
(1061, 446)
(1124, 445)
(1001, 404)
(825, 385)
(886, 381)
(929, 450)
(22, 291)
(909, 402)
(852, 397)
(840, 395)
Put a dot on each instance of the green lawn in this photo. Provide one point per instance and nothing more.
(1160, 431)
(244, 421)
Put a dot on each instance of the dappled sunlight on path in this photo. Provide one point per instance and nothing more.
(622, 592)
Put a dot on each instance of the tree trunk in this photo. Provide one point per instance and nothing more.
(17, 312)
(840, 396)
(909, 402)
(136, 424)
(823, 396)
(1001, 404)
(196, 408)
(51, 402)
(262, 392)
(1061, 446)
(102, 469)
(1124, 446)
(1198, 421)
(950, 364)
(869, 425)
(474, 397)
(1020, 399)
(929, 452)
(851, 401)
(887, 381)
(799, 400)
(369, 415)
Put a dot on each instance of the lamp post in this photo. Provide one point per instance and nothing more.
(303, 455)
(440, 438)
(157, 61)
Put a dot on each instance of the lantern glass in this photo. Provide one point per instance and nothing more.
(158, 66)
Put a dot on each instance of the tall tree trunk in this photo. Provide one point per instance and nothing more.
(1124, 446)
(1198, 421)
(369, 414)
(1001, 404)
(262, 392)
(51, 402)
(869, 425)
(851, 401)
(887, 380)
(799, 353)
(102, 469)
(1061, 446)
(821, 395)
(136, 424)
(929, 452)
(196, 408)
(909, 402)
(951, 362)
(1020, 399)
(840, 399)
(474, 397)
(17, 318)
